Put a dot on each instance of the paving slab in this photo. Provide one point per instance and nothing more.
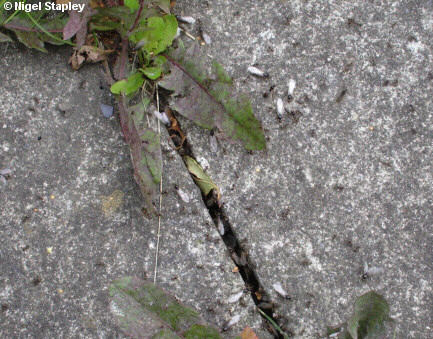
(72, 218)
(347, 175)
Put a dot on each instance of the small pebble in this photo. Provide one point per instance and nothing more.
(220, 227)
(280, 290)
(213, 143)
(280, 108)
(206, 38)
(372, 271)
(162, 117)
(64, 107)
(107, 110)
(292, 85)
(184, 196)
(231, 322)
(186, 19)
(5, 171)
(334, 335)
(375, 271)
(235, 297)
(177, 33)
(203, 163)
(257, 72)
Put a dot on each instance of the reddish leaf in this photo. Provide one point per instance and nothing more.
(145, 149)
(210, 101)
(73, 25)
(77, 24)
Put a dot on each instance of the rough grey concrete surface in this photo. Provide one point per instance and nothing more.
(347, 175)
(71, 219)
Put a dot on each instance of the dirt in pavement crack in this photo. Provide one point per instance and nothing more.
(238, 254)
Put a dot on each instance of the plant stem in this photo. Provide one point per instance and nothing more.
(137, 18)
(285, 336)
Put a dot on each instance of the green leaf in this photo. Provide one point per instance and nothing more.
(5, 38)
(155, 33)
(31, 40)
(367, 321)
(209, 101)
(166, 334)
(114, 18)
(146, 157)
(160, 60)
(134, 82)
(152, 73)
(132, 4)
(118, 87)
(201, 331)
(119, 12)
(106, 26)
(141, 307)
(199, 175)
(56, 23)
(129, 86)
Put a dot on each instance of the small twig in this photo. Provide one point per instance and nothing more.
(160, 198)
(137, 18)
(188, 34)
(124, 53)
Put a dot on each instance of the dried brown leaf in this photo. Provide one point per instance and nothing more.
(248, 333)
(88, 54)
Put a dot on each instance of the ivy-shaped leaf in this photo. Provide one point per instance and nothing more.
(209, 101)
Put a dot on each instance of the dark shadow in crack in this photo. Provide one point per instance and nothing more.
(238, 254)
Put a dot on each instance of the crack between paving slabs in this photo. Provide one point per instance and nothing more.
(221, 221)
